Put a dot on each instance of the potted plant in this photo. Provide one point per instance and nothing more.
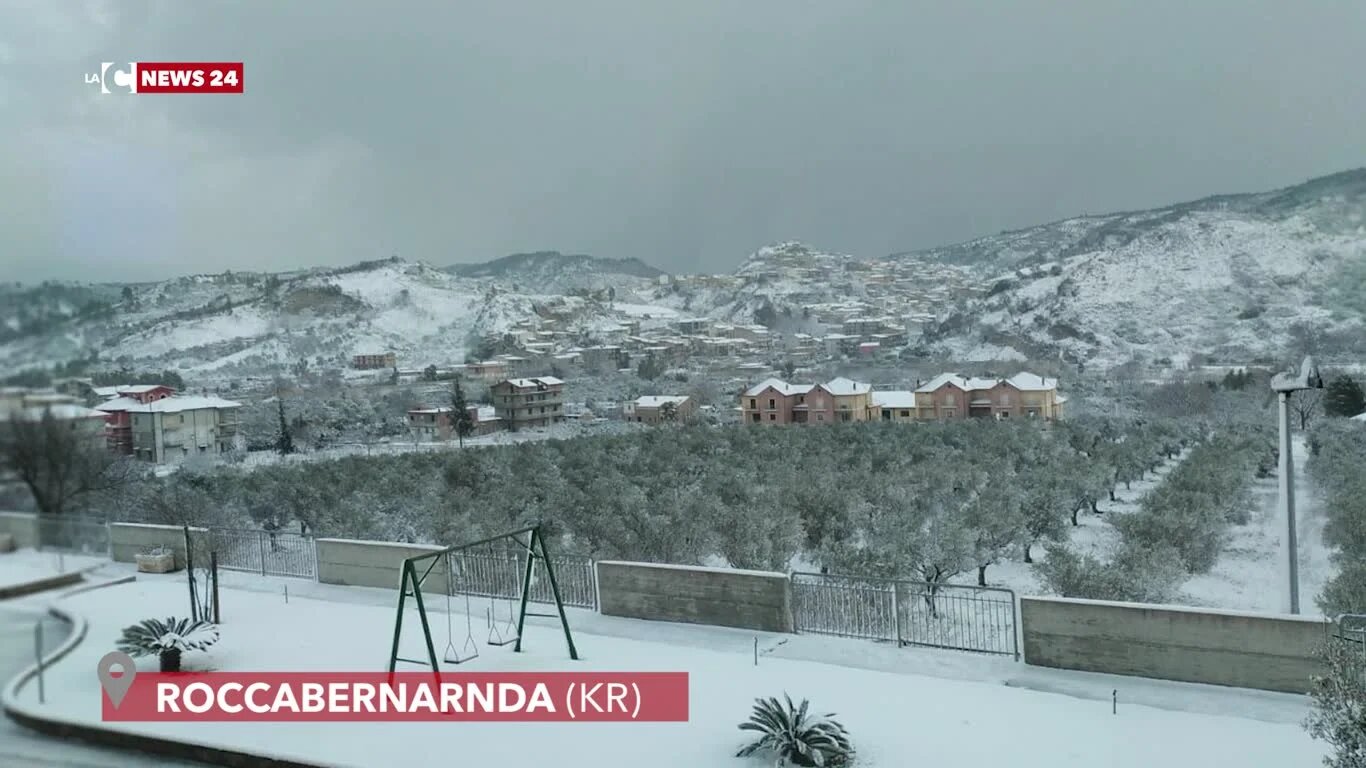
(167, 639)
(156, 560)
(794, 737)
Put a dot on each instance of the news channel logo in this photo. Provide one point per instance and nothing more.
(118, 78)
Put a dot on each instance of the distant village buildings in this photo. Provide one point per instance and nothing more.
(374, 360)
(152, 423)
(944, 398)
(660, 409)
(534, 402)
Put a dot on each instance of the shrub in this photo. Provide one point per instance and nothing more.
(1135, 575)
(1338, 716)
(794, 736)
(167, 639)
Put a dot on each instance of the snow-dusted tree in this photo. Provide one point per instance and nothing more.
(997, 522)
(284, 441)
(1344, 397)
(1305, 406)
(1338, 716)
(58, 460)
(1048, 497)
(1136, 574)
(461, 422)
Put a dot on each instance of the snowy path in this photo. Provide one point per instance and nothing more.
(1247, 576)
(22, 747)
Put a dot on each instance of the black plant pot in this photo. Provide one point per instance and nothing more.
(170, 660)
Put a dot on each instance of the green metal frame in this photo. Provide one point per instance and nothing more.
(410, 585)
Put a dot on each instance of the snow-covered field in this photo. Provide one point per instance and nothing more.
(895, 718)
(23, 566)
(1247, 576)
(1093, 535)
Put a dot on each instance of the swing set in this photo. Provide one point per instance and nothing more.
(485, 568)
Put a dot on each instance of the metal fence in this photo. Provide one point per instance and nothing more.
(932, 615)
(269, 553)
(73, 534)
(1351, 628)
(498, 573)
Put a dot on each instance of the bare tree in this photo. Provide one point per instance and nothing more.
(1305, 405)
(59, 460)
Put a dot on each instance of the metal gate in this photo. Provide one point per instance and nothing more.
(498, 574)
(269, 553)
(931, 615)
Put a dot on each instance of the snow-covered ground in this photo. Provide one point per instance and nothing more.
(1247, 576)
(1034, 718)
(1093, 535)
(23, 566)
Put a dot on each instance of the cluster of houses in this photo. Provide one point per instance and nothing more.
(945, 397)
(150, 422)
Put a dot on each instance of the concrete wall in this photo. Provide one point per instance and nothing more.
(375, 564)
(127, 540)
(23, 526)
(719, 596)
(1268, 652)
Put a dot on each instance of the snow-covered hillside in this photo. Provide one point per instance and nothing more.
(1228, 276)
(246, 324)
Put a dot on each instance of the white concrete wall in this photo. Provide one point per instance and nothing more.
(721, 597)
(127, 540)
(375, 564)
(23, 526)
(1269, 652)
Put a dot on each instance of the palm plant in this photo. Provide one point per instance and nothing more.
(167, 639)
(794, 736)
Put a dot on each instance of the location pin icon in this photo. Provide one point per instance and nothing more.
(117, 687)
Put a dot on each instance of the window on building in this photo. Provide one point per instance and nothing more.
(772, 404)
(753, 403)
(773, 417)
(754, 417)
(905, 414)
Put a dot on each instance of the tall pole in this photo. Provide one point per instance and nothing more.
(1290, 571)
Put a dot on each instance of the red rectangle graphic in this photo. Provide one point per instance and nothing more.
(189, 77)
(418, 696)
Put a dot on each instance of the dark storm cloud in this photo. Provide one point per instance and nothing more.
(686, 134)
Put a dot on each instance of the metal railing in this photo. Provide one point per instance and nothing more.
(498, 574)
(931, 615)
(269, 553)
(1351, 628)
(81, 535)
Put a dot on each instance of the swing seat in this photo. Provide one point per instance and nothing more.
(496, 638)
(470, 651)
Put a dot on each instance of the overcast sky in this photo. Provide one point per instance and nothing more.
(684, 133)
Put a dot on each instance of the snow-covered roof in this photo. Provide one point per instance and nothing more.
(173, 404)
(655, 401)
(941, 380)
(1023, 381)
(782, 386)
(138, 389)
(108, 391)
(843, 386)
(1030, 382)
(894, 398)
(1359, 417)
(438, 409)
(548, 381)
